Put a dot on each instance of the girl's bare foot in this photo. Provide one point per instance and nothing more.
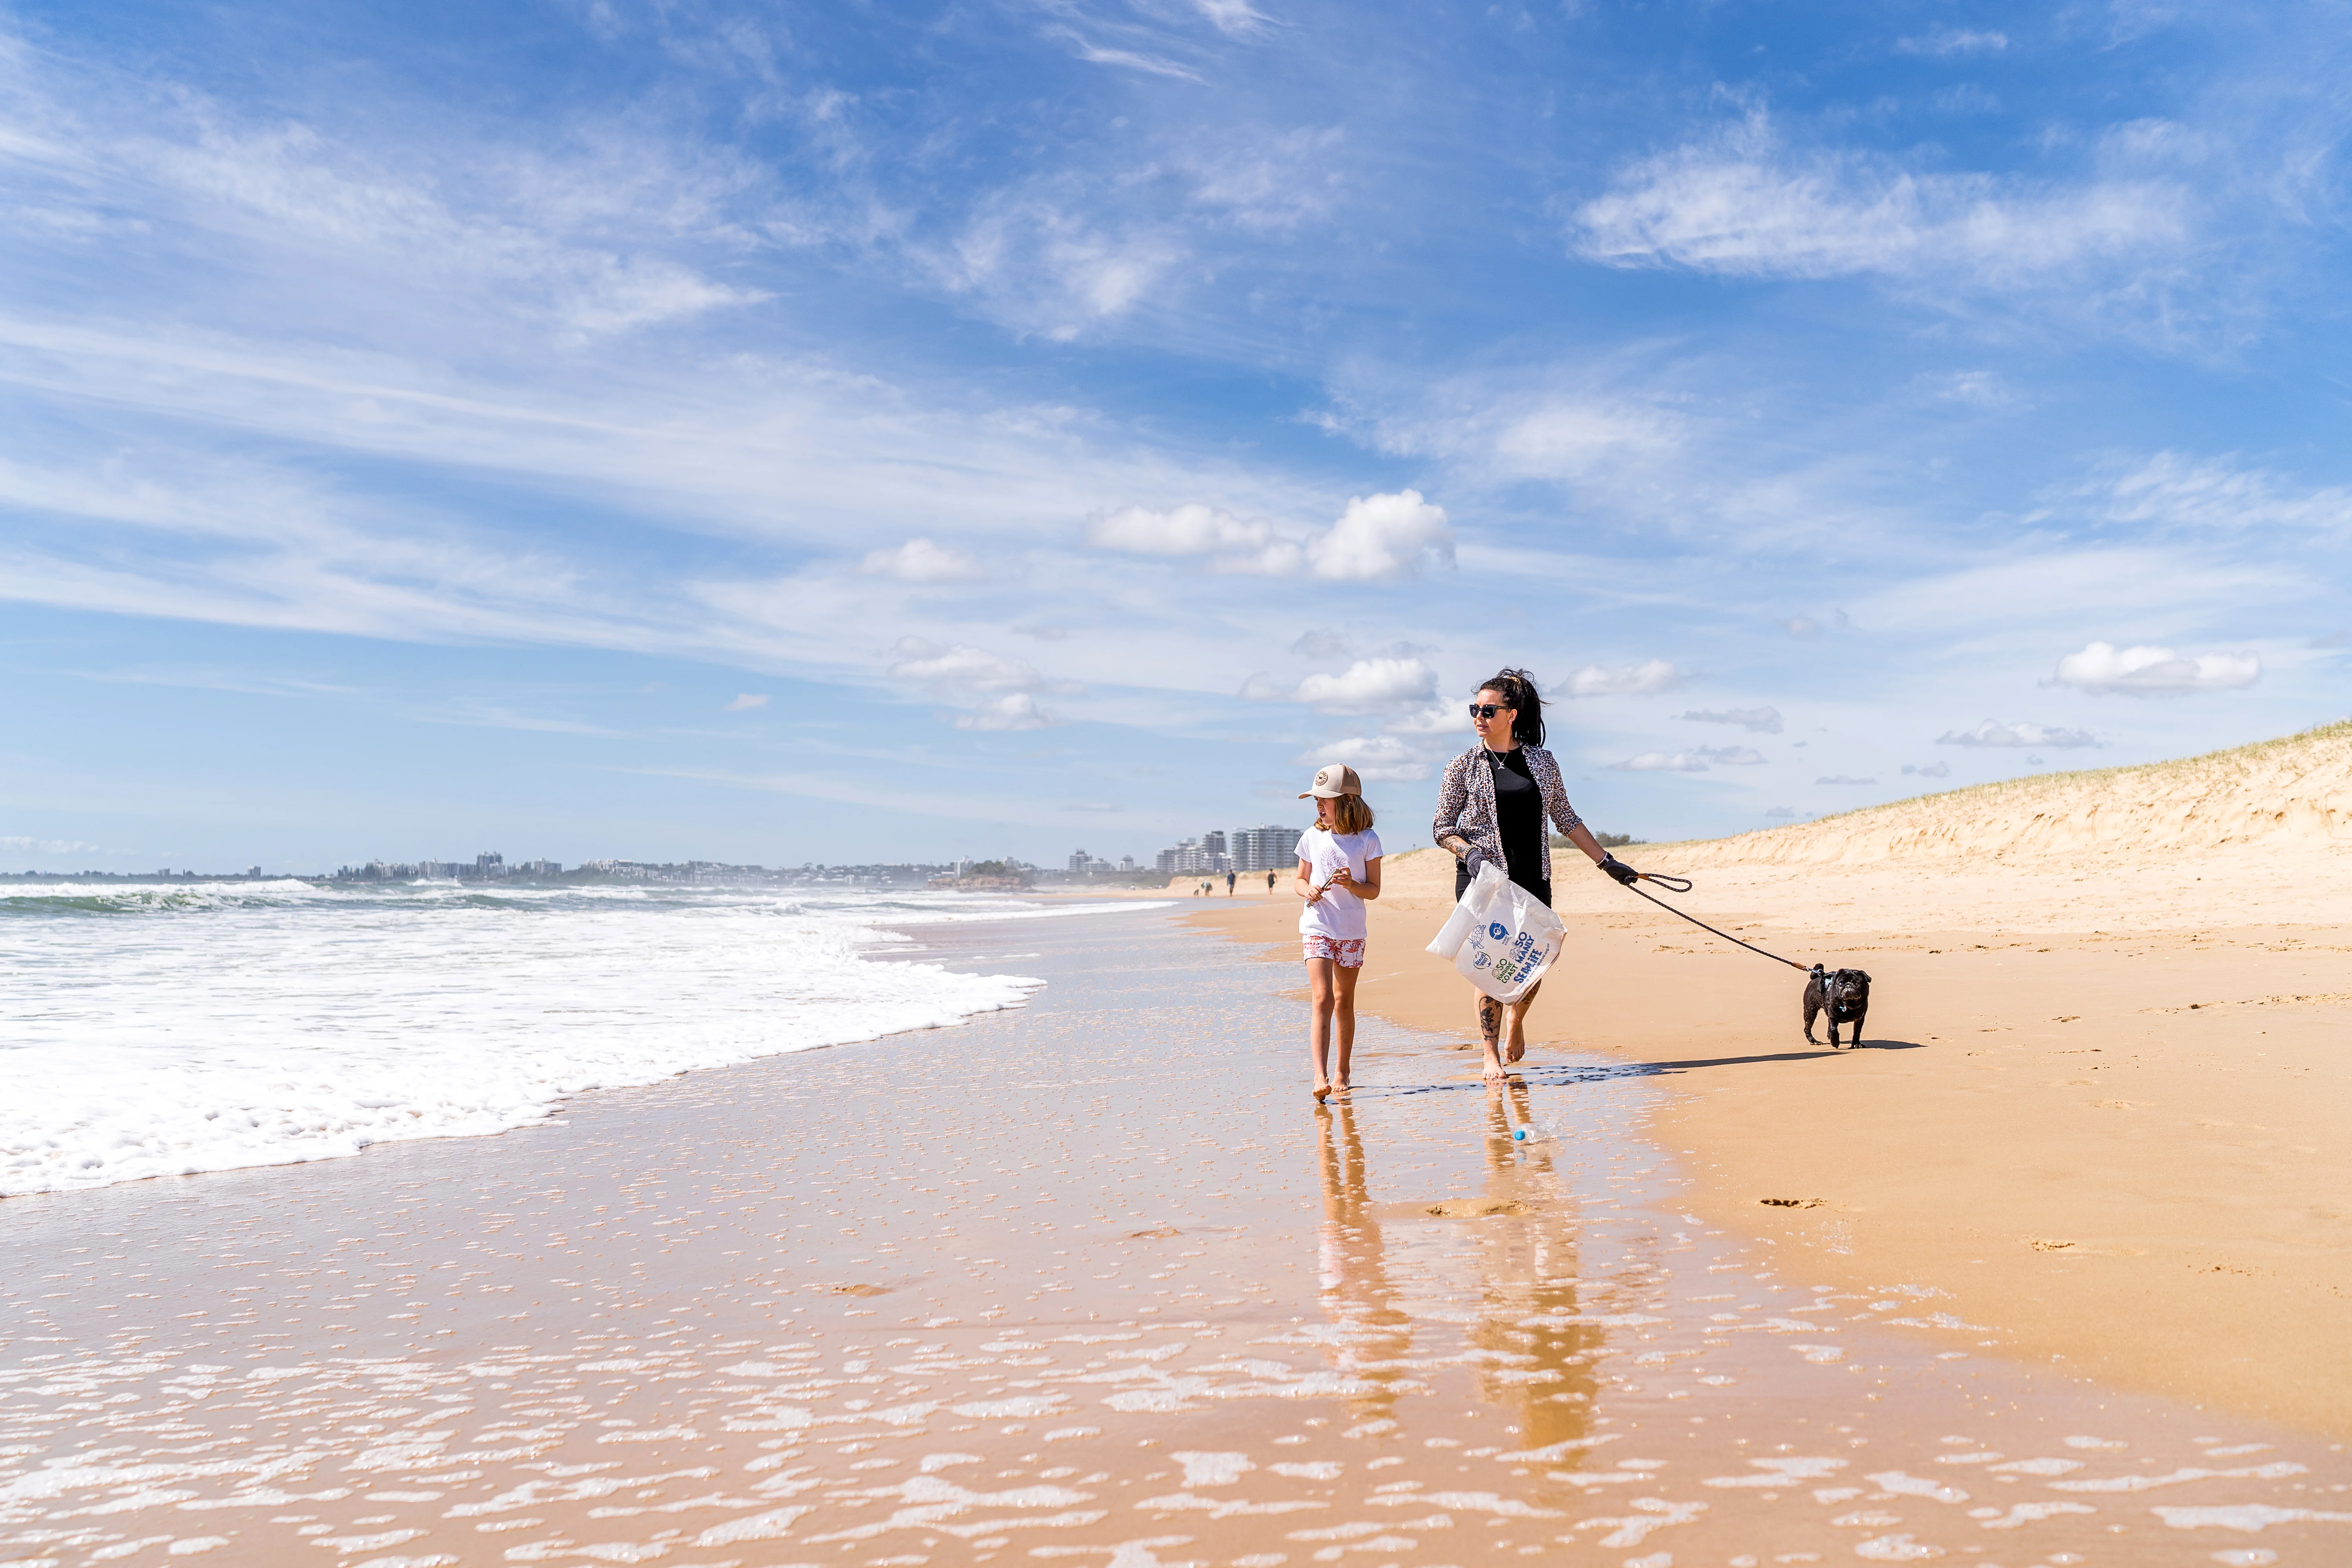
(1342, 1087)
(1322, 1090)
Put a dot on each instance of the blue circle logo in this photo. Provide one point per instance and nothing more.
(1498, 931)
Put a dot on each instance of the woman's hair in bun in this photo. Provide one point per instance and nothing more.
(1516, 688)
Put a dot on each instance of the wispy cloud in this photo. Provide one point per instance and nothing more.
(1993, 733)
(1763, 720)
(1741, 202)
(1944, 43)
(1651, 675)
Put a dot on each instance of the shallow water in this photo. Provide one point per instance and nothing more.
(1092, 1280)
(167, 1028)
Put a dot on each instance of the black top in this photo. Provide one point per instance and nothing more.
(1518, 816)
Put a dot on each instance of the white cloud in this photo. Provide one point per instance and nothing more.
(1382, 536)
(1014, 710)
(1764, 720)
(2155, 671)
(1190, 530)
(1842, 779)
(1802, 626)
(1946, 42)
(746, 701)
(1378, 758)
(1261, 687)
(1930, 771)
(1731, 756)
(963, 665)
(921, 561)
(1741, 204)
(1989, 733)
(1371, 686)
(1623, 680)
(1663, 762)
(1376, 538)
(1781, 813)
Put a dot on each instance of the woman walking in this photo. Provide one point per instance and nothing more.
(1490, 812)
(1338, 873)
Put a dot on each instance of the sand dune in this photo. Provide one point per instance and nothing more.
(2289, 794)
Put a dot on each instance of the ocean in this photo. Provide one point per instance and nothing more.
(167, 1028)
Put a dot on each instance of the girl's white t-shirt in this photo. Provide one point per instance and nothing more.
(1338, 914)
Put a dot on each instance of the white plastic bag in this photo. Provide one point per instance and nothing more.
(1501, 939)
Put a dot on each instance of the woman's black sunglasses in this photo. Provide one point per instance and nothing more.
(1488, 710)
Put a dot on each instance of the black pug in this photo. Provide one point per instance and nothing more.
(1844, 994)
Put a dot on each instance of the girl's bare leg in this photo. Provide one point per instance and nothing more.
(1320, 1000)
(1490, 1031)
(1345, 983)
(1519, 1041)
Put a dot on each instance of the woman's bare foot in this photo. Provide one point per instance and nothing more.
(1517, 1049)
(1494, 1072)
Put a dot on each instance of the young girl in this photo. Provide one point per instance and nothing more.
(1339, 871)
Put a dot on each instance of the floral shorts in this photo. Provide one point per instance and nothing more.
(1346, 954)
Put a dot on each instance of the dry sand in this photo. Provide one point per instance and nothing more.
(2104, 1097)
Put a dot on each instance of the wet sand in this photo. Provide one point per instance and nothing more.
(1093, 1282)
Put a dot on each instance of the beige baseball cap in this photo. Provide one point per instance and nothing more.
(1334, 780)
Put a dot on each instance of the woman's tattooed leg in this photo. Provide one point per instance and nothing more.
(1490, 1033)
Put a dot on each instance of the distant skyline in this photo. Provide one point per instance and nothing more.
(885, 433)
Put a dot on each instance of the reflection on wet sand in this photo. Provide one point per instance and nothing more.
(1540, 1352)
(1372, 1339)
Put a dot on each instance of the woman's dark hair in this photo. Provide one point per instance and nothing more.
(1518, 690)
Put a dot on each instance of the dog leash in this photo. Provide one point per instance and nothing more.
(1669, 882)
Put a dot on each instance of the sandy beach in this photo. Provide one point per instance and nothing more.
(1092, 1279)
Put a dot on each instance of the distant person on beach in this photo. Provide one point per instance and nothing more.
(1269, 884)
(1229, 884)
(1491, 807)
(1338, 873)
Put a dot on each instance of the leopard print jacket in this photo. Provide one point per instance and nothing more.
(1465, 804)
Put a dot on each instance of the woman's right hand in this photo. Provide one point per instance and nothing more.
(1474, 861)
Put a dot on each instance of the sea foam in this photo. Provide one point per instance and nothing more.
(163, 1029)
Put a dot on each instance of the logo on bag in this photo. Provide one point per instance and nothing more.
(1483, 960)
(1498, 931)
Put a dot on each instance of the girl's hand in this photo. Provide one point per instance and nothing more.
(1342, 879)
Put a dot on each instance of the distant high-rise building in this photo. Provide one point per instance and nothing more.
(1194, 857)
(1266, 848)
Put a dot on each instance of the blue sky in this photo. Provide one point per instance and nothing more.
(874, 432)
